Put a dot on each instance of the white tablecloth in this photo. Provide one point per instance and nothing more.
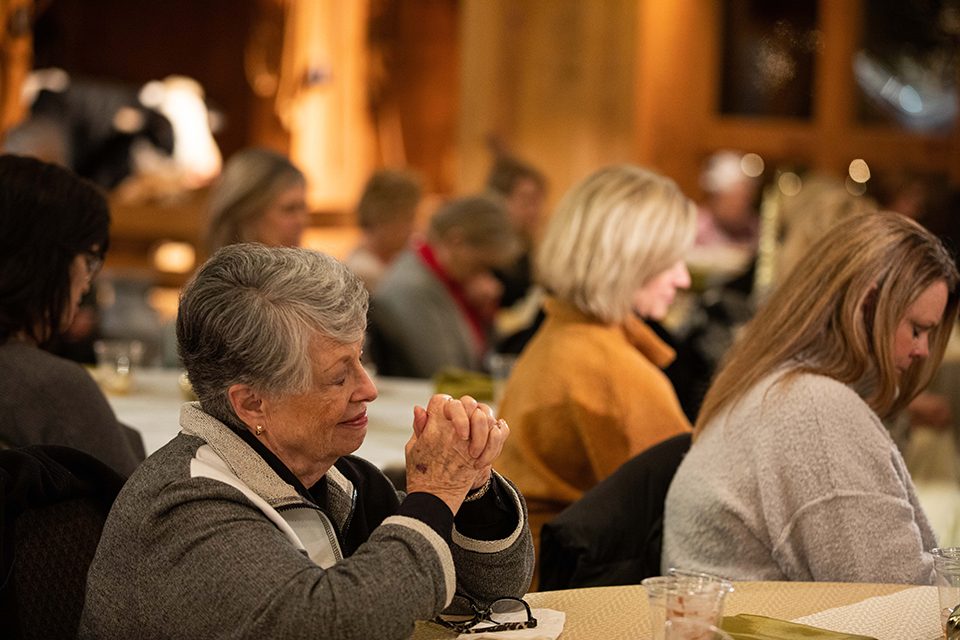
(153, 408)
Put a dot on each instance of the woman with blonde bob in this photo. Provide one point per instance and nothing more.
(792, 476)
(588, 392)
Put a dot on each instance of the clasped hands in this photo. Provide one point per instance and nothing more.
(453, 446)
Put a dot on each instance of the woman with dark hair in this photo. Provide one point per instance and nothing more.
(55, 235)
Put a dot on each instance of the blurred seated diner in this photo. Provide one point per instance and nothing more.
(56, 234)
(259, 197)
(386, 215)
(434, 308)
(727, 221)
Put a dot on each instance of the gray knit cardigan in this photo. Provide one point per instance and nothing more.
(206, 541)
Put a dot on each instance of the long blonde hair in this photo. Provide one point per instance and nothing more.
(837, 312)
(610, 234)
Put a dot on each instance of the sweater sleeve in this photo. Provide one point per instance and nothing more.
(489, 569)
(836, 493)
(232, 573)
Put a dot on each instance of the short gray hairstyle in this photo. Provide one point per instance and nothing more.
(249, 314)
(610, 234)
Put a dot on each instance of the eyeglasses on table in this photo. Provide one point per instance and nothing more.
(464, 615)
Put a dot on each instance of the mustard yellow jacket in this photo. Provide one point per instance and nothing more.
(582, 399)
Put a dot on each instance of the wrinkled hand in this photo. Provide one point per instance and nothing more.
(453, 446)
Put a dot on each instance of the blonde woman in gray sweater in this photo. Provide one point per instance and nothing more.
(792, 475)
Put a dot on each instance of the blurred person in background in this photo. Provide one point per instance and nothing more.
(386, 214)
(523, 189)
(588, 393)
(55, 236)
(259, 197)
(426, 314)
(805, 217)
(727, 220)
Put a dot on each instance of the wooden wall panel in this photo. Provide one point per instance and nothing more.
(16, 58)
(677, 58)
(323, 98)
(679, 125)
(553, 80)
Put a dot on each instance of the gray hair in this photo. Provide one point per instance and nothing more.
(482, 220)
(249, 314)
(610, 234)
(250, 182)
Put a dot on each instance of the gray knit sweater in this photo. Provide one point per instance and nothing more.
(799, 481)
(45, 399)
(207, 541)
(420, 329)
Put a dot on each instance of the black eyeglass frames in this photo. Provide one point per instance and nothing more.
(464, 615)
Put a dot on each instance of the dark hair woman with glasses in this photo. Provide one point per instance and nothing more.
(55, 234)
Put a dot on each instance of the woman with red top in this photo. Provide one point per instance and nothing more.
(433, 308)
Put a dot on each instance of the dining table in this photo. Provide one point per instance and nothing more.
(882, 611)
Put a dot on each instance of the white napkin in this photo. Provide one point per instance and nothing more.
(911, 613)
(549, 626)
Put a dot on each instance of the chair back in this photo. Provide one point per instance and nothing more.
(613, 534)
(53, 504)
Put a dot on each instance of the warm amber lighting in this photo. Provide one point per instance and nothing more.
(859, 171)
(128, 120)
(855, 187)
(335, 241)
(789, 183)
(752, 165)
(164, 300)
(174, 257)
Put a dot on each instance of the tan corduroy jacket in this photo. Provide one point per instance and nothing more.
(583, 398)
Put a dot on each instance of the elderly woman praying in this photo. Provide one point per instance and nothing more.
(256, 521)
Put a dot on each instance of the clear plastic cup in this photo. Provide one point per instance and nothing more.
(690, 629)
(116, 362)
(697, 595)
(657, 588)
(946, 561)
(687, 595)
